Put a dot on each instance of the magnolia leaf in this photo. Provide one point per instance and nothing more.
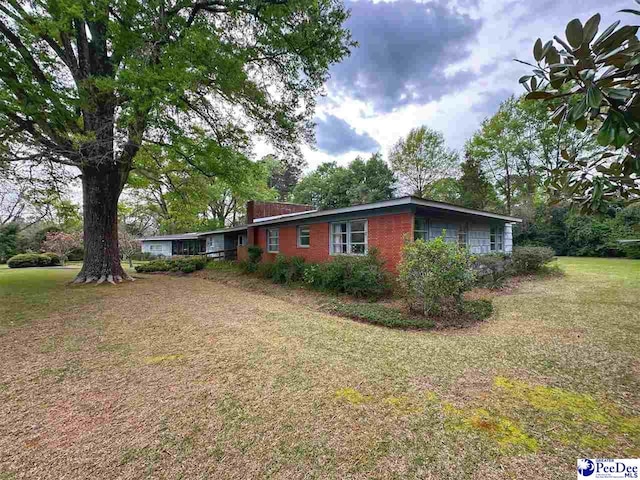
(594, 97)
(552, 55)
(578, 110)
(629, 10)
(622, 136)
(581, 124)
(534, 83)
(537, 50)
(607, 32)
(607, 133)
(591, 29)
(524, 79)
(574, 33)
(558, 114)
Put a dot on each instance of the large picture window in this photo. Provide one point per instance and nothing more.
(304, 236)
(273, 240)
(497, 239)
(349, 237)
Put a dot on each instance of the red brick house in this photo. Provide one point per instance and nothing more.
(318, 235)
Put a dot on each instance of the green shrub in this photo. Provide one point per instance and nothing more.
(491, 270)
(358, 276)
(181, 264)
(379, 315)
(531, 259)
(254, 253)
(433, 272)
(287, 269)
(24, 260)
(478, 309)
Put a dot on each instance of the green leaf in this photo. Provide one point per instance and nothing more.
(537, 50)
(524, 79)
(534, 83)
(552, 56)
(622, 136)
(574, 33)
(620, 94)
(581, 124)
(607, 32)
(607, 133)
(594, 97)
(578, 110)
(591, 28)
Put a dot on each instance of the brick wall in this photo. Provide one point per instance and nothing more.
(386, 233)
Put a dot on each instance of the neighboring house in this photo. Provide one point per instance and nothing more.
(318, 235)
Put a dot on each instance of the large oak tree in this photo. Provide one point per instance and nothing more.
(85, 83)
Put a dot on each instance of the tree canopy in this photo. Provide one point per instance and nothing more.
(333, 186)
(86, 83)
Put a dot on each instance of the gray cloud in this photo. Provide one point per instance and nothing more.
(335, 136)
(491, 101)
(404, 48)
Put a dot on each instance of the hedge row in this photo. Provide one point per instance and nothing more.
(358, 276)
(24, 260)
(184, 265)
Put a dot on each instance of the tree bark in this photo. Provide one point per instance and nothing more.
(101, 187)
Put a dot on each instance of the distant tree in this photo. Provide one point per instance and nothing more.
(129, 246)
(8, 241)
(421, 159)
(592, 82)
(62, 244)
(283, 174)
(332, 186)
(475, 189)
(445, 190)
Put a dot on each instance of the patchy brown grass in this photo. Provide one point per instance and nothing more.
(177, 377)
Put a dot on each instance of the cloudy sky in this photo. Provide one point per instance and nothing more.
(446, 65)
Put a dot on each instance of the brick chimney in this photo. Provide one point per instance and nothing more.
(271, 209)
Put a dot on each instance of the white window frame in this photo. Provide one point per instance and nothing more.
(348, 233)
(299, 236)
(427, 226)
(496, 238)
(277, 238)
(154, 247)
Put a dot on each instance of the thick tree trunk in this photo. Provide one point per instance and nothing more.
(101, 189)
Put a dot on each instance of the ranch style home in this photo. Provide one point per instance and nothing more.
(317, 235)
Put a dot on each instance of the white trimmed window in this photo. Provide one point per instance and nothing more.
(304, 236)
(497, 239)
(155, 248)
(273, 240)
(421, 229)
(242, 240)
(349, 238)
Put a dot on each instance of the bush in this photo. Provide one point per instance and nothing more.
(433, 272)
(254, 253)
(286, 269)
(24, 260)
(531, 259)
(478, 309)
(184, 265)
(379, 315)
(361, 276)
(491, 270)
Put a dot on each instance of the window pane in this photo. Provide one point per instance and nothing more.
(357, 237)
(358, 226)
(358, 248)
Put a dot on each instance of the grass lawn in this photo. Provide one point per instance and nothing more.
(180, 377)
